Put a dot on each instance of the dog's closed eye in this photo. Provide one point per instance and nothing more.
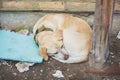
(56, 53)
(62, 46)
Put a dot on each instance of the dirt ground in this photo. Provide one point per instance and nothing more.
(44, 71)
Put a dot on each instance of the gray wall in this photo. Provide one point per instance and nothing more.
(11, 20)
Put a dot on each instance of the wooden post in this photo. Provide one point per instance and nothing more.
(101, 33)
(0, 3)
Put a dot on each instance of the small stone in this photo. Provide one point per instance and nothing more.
(35, 74)
(48, 61)
(25, 78)
(50, 58)
(113, 56)
(70, 75)
(40, 74)
(34, 78)
(111, 62)
(111, 53)
(68, 69)
(48, 68)
(41, 70)
(14, 74)
(33, 71)
(119, 64)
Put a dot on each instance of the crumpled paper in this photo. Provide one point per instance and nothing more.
(23, 66)
(58, 74)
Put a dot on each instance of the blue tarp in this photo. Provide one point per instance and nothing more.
(14, 46)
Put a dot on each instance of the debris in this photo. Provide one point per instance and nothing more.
(58, 74)
(25, 78)
(4, 63)
(23, 31)
(23, 66)
(68, 69)
(118, 36)
(70, 75)
(35, 74)
(111, 53)
(41, 70)
(113, 56)
(31, 34)
(14, 74)
(33, 71)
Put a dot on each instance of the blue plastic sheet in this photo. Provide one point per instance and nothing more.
(14, 46)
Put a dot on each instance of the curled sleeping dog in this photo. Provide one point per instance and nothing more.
(64, 37)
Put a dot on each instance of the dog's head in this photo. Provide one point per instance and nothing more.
(50, 43)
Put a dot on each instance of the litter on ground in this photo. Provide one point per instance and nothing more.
(3, 62)
(58, 74)
(23, 66)
(118, 36)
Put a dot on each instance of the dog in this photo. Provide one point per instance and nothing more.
(63, 37)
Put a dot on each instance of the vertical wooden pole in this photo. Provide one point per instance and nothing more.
(101, 32)
(0, 3)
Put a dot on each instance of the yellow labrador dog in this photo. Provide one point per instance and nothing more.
(64, 37)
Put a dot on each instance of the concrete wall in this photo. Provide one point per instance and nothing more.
(60, 5)
(11, 19)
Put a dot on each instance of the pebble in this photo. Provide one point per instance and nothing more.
(113, 56)
(111, 62)
(68, 69)
(25, 78)
(35, 74)
(41, 70)
(111, 53)
(48, 62)
(33, 71)
(14, 74)
(50, 59)
(70, 75)
(48, 68)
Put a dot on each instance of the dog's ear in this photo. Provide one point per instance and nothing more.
(43, 52)
(59, 34)
(43, 28)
